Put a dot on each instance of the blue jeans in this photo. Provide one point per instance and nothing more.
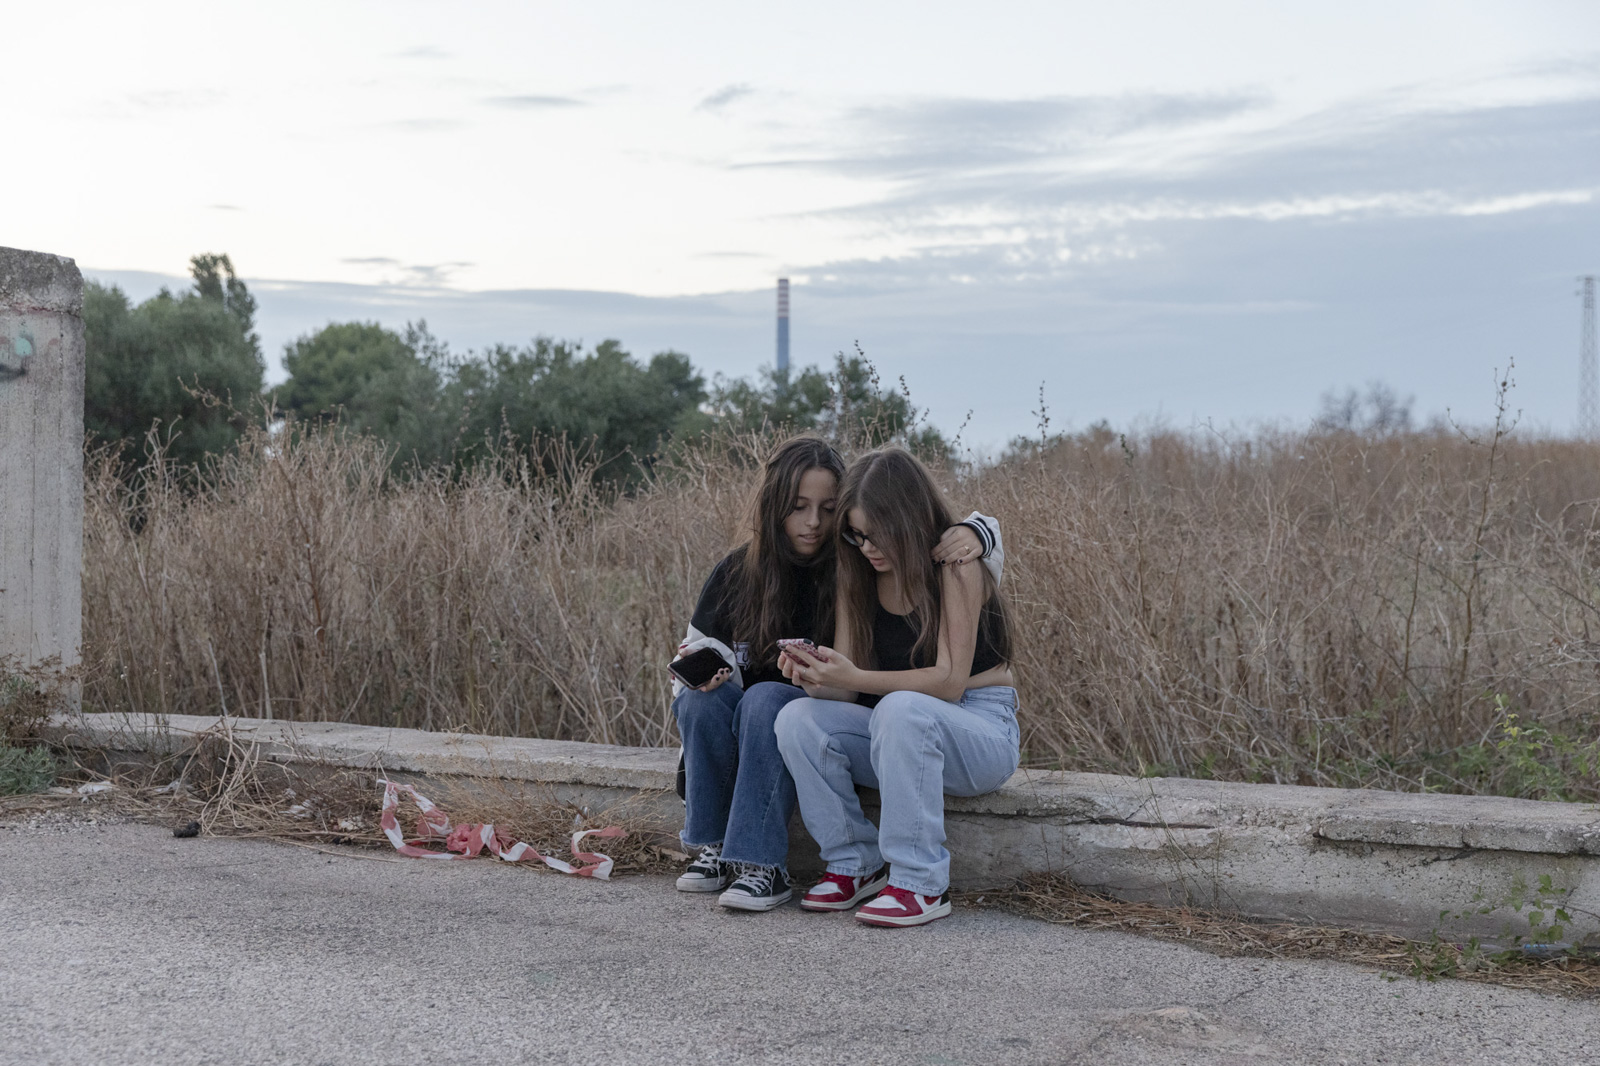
(738, 792)
(914, 749)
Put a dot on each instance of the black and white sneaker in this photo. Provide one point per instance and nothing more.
(759, 888)
(708, 873)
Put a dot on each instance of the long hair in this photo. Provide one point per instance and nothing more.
(765, 583)
(908, 516)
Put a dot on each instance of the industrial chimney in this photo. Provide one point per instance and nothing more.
(783, 325)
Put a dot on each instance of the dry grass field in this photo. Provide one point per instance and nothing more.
(1414, 611)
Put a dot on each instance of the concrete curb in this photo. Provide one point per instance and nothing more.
(1381, 861)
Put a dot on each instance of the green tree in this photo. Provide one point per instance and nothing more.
(849, 404)
(778, 398)
(604, 400)
(188, 364)
(373, 380)
(862, 409)
(215, 280)
(330, 370)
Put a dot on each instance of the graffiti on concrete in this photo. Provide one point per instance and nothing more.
(15, 354)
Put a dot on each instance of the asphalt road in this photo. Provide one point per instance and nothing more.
(124, 945)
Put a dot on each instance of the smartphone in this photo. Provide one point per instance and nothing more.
(808, 645)
(695, 670)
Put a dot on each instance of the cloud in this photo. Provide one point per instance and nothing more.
(944, 137)
(1035, 190)
(408, 275)
(533, 102)
(157, 100)
(732, 255)
(431, 275)
(428, 125)
(1382, 147)
(724, 96)
(423, 51)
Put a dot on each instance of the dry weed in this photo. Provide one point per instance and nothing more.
(1057, 899)
(1321, 609)
(31, 692)
(221, 786)
(1318, 609)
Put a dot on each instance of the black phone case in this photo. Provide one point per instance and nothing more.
(702, 665)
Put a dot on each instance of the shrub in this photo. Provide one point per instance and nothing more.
(28, 696)
(25, 769)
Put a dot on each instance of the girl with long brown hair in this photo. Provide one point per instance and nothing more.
(778, 584)
(915, 699)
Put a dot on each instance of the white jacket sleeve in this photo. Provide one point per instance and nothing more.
(988, 531)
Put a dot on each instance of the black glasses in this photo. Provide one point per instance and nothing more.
(854, 537)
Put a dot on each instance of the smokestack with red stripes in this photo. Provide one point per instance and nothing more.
(783, 325)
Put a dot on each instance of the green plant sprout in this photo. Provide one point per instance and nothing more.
(1539, 929)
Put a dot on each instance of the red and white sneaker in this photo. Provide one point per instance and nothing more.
(840, 892)
(897, 906)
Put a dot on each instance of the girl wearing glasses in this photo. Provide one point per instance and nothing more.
(916, 699)
(779, 584)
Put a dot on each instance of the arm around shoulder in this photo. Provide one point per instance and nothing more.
(988, 531)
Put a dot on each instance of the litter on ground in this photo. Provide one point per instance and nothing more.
(467, 841)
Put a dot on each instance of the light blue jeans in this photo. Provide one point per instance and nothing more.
(914, 749)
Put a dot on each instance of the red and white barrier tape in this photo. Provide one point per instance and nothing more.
(468, 841)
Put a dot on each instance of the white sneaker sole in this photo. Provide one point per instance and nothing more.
(740, 902)
(703, 884)
(866, 891)
(933, 914)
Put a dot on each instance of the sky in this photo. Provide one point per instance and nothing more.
(1156, 213)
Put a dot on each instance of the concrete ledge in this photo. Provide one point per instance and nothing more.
(366, 747)
(39, 281)
(1355, 815)
(1384, 861)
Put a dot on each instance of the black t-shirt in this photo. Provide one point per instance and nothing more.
(893, 639)
(714, 614)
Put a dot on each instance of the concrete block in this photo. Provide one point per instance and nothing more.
(1378, 861)
(41, 458)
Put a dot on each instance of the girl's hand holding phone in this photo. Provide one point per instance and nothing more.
(816, 668)
(717, 680)
(721, 676)
(703, 671)
(798, 642)
(791, 667)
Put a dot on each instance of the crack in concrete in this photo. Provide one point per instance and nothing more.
(1132, 824)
